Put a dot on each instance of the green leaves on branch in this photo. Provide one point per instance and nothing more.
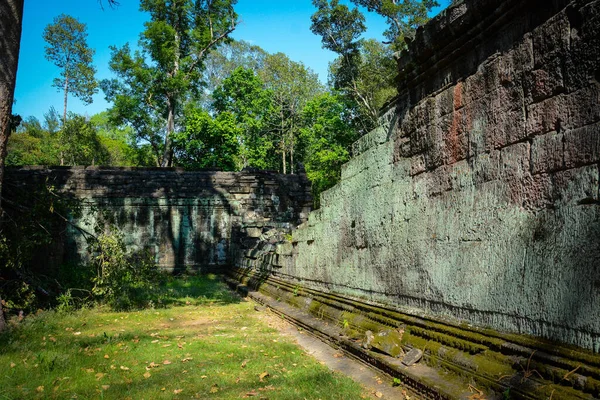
(338, 26)
(155, 82)
(208, 142)
(68, 50)
(123, 279)
(402, 16)
(325, 139)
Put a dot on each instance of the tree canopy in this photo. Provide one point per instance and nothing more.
(67, 48)
(153, 83)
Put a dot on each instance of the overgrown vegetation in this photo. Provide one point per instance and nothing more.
(33, 274)
(215, 345)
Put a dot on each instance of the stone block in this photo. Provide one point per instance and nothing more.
(547, 153)
(582, 146)
(551, 39)
(444, 102)
(515, 161)
(417, 165)
(486, 167)
(577, 186)
(545, 81)
(474, 88)
(509, 127)
(547, 115)
(583, 107)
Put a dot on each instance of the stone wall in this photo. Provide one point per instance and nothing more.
(477, 200)
(188, 220)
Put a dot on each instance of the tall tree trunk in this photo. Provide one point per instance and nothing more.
(283, 142)
(66, 95)
(167, 160)
(11, 21)
(292, 158)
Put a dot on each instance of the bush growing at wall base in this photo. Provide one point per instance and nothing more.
(123, 279)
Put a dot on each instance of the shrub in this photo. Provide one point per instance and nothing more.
(123, 280)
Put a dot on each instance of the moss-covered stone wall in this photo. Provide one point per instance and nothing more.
(477, 200)
(187, 220)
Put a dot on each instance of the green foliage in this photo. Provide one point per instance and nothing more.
(339, 26)
(292, 85)
(221, 63)
(68, 50)
(403, 17)
(123, 280)
(31, 224)
(325, 141)
(243, 96)
(79, 143)
(367, 78)
(365, 69)
(153, 83)
(207, 142)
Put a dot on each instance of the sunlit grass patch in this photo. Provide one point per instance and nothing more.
(214, 346)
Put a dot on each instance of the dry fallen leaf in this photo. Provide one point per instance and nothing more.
(147, 375)
(106, 356)
(214, 388)
(105, 387)
(124, 368)
(89, 370)
(244, 363)
(204, 377)
(12, 365)
(378, 395)
(99, 376)
(166, 362)
(76, 333)
(177, 391)
(263, 376)
(155, 341)
(40, 389)
(187, 359)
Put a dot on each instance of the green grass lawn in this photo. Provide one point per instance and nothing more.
(207, 344)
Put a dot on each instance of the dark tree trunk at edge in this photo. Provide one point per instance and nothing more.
(2, 320)
(11, 20)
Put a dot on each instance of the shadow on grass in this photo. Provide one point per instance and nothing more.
(196, 290)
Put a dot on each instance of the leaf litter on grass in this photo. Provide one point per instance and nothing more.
(121, 356)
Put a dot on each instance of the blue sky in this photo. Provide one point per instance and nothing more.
(274, 25)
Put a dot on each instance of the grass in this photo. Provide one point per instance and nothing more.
(210, 344)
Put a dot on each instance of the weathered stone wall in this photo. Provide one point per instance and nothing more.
(188, 220)
(478, 200)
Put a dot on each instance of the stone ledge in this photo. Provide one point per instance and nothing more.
(493, 360)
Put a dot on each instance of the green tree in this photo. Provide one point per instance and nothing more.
(325, 140)
(154, 83)
(79, 143)
(365, 69)
(68, 50)
(208, 142)
(402, 16)
(221, 63)
(32, 144)
(292, 85)
(369, 81)
(244, 96)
